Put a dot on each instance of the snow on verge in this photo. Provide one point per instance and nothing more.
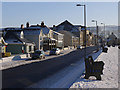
(110, 73)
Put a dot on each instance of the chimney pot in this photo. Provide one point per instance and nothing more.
(42, 24)
(53, 25)
(22, 26)
(27, 24)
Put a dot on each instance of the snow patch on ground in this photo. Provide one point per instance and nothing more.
(110, 72)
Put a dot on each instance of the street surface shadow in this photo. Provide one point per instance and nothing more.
(34, 72)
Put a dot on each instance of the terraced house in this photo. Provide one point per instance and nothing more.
(70, 31)
(43, 36)
(17, 44)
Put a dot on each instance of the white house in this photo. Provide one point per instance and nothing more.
(69, 28)
(41, 35)
(60, 39)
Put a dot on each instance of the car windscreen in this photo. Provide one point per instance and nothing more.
(54, 49)
(38, 52)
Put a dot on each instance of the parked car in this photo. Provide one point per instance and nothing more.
(113, 45)
(79, 47)
(54, 51)
(119, 46)
(38, 54)
(104, 49)
(108, 45)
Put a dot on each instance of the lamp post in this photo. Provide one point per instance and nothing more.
(84, 26)
(96, 32)
(104, 32)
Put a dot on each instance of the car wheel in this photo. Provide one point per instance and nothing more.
(44, 57)
(40, 57)
(33, 58)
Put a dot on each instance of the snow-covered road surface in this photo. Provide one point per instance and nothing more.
(110, 72)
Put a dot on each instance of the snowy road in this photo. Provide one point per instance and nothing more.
(28, 74)
(110, 73)
(65, 77)
(73, 76)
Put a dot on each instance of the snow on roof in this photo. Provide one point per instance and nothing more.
(31, 32)
(45, 30)
(13, 41)
(11, 28)
(66, 26)
(46, 38)
(74, 29)
(31, 27)
(57, 33)
(37, 29)
(12, 38)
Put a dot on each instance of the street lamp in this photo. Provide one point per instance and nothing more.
(84, 26)
(104, 31)
(96, 31)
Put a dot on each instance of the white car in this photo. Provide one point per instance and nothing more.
(79, 47)
(54, 51)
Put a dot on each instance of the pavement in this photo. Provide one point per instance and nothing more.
(17, 60)
(110, 73)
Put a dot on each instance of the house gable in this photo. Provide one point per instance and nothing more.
(67, 26)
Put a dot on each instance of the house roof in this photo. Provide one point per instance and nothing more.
(13, 29)
(66, 25)
(66, 22)
(67, 32)
(58, 33)
(11, 37)
(25, 40)
(35, 29)
(78, 26)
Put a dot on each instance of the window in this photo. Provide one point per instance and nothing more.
(40, 38)
(30, 48)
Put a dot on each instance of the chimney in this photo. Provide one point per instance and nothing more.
(27, 24)
(37, 24)
(22, 26)
(54, 27)
(42, 24)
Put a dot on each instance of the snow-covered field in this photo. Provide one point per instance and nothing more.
(110, 73)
